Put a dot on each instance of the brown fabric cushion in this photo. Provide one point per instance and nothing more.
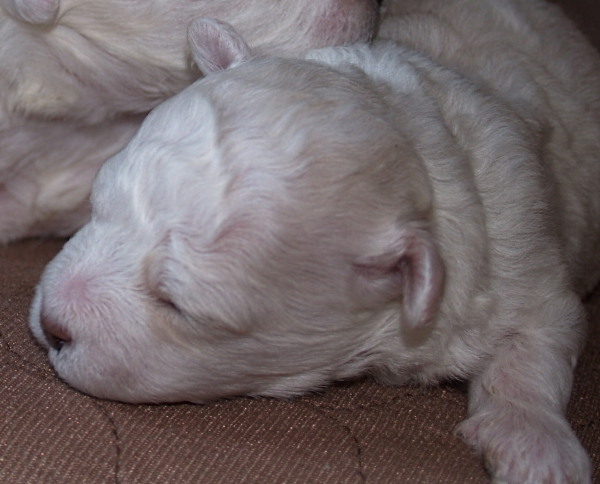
(358, 432)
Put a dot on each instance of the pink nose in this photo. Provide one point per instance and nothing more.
(56, 335)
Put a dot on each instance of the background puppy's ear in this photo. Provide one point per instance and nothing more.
(32, 11)
(409, 268)
(216, 45)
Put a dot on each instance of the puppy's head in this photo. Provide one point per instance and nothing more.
(264, 233)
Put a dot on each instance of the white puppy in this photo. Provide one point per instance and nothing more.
(416, 212)
(77, 75)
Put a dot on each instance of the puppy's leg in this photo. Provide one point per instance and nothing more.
(517, 404)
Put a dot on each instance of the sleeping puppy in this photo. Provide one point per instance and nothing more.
(421, 209)
(77, 76)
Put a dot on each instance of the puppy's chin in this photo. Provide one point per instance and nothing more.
(151, 385)
(101, 375)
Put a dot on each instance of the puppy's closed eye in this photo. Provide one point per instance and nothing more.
(164, 299)
(171, 310)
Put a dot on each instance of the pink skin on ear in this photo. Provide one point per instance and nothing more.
(411, 269)
(33, 11)
(216, 45)
(424, 276)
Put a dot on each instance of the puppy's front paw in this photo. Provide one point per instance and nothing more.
(527, 446)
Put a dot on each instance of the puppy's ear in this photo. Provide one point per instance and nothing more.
(409, 268)
(216, 45)
(33, 11)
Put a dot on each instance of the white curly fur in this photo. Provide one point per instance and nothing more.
(422, 208)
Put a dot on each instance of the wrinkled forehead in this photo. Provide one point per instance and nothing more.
(175, 151)
(247, 134)
(183, 128)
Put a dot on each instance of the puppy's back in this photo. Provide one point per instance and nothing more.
(530, 55)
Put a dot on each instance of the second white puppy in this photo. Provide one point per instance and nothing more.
(421, 211)
(77, 76)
